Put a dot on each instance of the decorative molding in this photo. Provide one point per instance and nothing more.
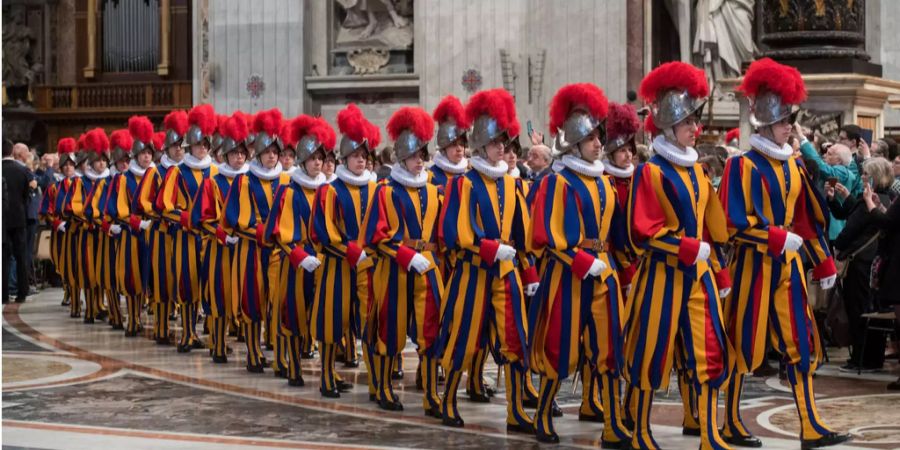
(255, 86)
(90, 71)
(165, 37)
(471, 80)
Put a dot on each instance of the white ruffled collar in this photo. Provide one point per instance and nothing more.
(77, 174)
(765, 146)
(197, 164)
(291, 170)
(515, 172)
(581, 166)
(265, 174)
(493, 172)
(406, 178)
(136, 169)
(348, 177)
(441, 161)
(330, 178)
(300, 177)
(619, 172)
(225, 169)
(673, 154)
(167, 162)
(94, 176)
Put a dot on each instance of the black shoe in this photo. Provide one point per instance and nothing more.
(198, 344)
(373, 398)
(687, 431)
(628, 423)
(74, 315)
(388, 405)
(229, 350)
(277, 373)
(263, 361)
(351, 364)
(596, 418)
(490, 391)
(829, 439)
(397, 375)
(307, 355)
(101, 316)
(184, 348)
(255, 369)
(477, 398)
(419, 386)
(551, 438)
(530, 402)
(615, 444)
(344, 386)
(526, 428)
(433, 412)
(88, 320)
(296, 382)
(164, 341)
(220, 359)
(894, 385)
(118, 327)
(555, 410)
(131, 334)
(20, 300)
(455, 422)
(743, 441)
(329, 393)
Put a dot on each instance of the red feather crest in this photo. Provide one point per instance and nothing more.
(450, 108)
(287, 135)
(650, 126)
(176, 121)
(81, 138)
(574, 96)
(122, 139)
(66, 145)
(158, 140)
(621, 121)
(354, 125)
(732, 134)
(220, 120)
(235, 127)
(674, 75)
(411, 118)
(320, 129)
(268, 121)
(96, 141)
(140, 128)
(326, 135)
(204, 117)
(498, 104)
(768, 75)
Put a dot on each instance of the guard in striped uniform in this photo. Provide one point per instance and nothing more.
(342, 304)
(108, 270)
(774, 214)
(578, 314)
(51, 213)
(450, 159)
(484, 222)
(176, 198)
(676, 220)
(288, 227)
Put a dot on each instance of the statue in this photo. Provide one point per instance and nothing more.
(19, 70)
(359, 15)
(724, 37)
(373, 36)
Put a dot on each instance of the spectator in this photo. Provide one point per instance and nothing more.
(856, 246)
(17, 184)
(31, 215)
(713, 167)
(642, 153)
(851, 136)
(538, 158)
(48, 173)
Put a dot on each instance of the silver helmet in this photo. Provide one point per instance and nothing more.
(484, 130)
(307, 147)
(767, 108)
(349, 146)
(675, 105)
(229, 145)
(265, 140)
(136, 148)
(448, 133)
(193, 136)
(614, 144)
(172, 138)
(408, 144)
(576, 128)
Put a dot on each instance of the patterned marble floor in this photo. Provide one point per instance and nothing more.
(70, 385)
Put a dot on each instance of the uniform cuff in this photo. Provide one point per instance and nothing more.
(627, 274)
(297, 256)
(723, 279)
(530, 275)
(353, 252)
(405, 256)
(488, 250)
(56, 223)
(777, 238)
(220, 234)
(688, 250)
(185, 220)
(582, 263)
(260, 233)
(104, 226)
(825, 269)
(135, 222)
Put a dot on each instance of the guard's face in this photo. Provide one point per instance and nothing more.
(99, 165)
(237, 159)
(122, 164)
(287, 158)
(356, 162)
(313, 165)
(781, 131)
(68, 169)
(144, 159)
(200, 150)
(175, 153)
(495, 150)
(686, 132)
(511, 158)
(269, 157)
(328, 166)
(623, 156)
(455, 152)
(415, 164)
(591, 147)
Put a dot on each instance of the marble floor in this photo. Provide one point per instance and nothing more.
(68, 385)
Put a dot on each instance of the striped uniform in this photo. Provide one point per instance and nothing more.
(59, 248)
(69, 247)
(84, 210)
(107, 267)
(764, 198)
(162, 265)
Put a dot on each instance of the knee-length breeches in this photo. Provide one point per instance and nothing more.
(580, 317)
(218, 260)
(342, 301)
(105, 264)
(188, 258)
(296, 292)
(668, 303)
(133, 264)
(769, 299)
(407, 304)
(479, 306)
(251, 273)
(86, 255)
(162, 282)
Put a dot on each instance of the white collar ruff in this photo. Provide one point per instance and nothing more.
(77, 174)
(226, 170)
(765, 146)
(290, 170)
(265, 174)
(167, 162)
(134, 168)
(197, 164)
(348, 177)
(300, 177)
(406, 178)
(515, 172)
(581, 166)
(619, 172)
(493, 172)
(673, 154)
(94, 176)
(330, 178)
(441, 161)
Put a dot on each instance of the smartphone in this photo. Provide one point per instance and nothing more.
(866, 135)
(530, 129)
(832, 182)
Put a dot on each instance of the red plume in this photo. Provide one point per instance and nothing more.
(325, 134)
(621, 121)
(159, 140)
(514, 127)
(766, 74)
(699, 130)
(354, 125)
(649, 126)
(140, 128)
(287, 135)
(96, 141)
(450, 108)
(674, 75)
(585, 96)
(299, 126)
(176, 121)
(66, 145)
(732, 134)
(268, 122)
(204, 117)
(81, 138)
(411, 118)
(122, 139)
(496, 103)
(235, 127)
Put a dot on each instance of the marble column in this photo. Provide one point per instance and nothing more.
(634, 42)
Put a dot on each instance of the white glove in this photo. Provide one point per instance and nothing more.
(702, 253)
(144, 224)
(115, 229)
(418, 263)
(505, 253)
(627, 290)
(531, 289)
(62, 227)
(792, 242)
(828, 282)
(231, 240)
(310, 263)
(362, 257)
(597, 267)
(724, 292)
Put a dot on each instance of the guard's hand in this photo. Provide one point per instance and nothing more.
(597, 267)
(532, 289)
(505, 253)
(310, 264)
(792, 242)
(62, 227)
(145, 224)
(115, 229)
(724, 292)
(231, 240)
(828, 282)
(702, 253)
(419, 263)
